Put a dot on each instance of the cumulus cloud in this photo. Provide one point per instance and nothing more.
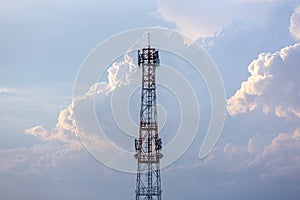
(273, 85)
(295, 24)
(199, 19)
(77, 117)
(63, 132)
(279, 160)
(39, 132)
(62, 140)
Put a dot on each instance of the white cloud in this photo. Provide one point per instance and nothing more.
(273, 85)
(278, 160)
(61, 141)
(64, 135)
(48, 156)
(5, 90)
(273, 88)
(63, 132)
(281, 158)
(295, 24)
(9, 160)
(199, 19)
(39, 132)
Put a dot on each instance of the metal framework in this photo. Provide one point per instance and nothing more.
(148, 145)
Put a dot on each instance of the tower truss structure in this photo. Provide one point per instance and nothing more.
(148, 146)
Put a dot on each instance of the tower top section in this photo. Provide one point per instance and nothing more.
(148, 56)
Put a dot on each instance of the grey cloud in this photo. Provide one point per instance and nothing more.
(200, 19)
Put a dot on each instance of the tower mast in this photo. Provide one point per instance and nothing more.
(148, 145)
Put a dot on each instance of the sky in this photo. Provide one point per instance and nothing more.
(255, 45)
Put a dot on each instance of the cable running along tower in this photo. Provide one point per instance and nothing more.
(148, 145)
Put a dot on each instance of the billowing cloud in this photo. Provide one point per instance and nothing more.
(64, 134)
(277, 161)
(281, 158)
(273, 88)
(295, 24)
(39, 132)
(61, 141)
(273, 85)
(199, 19)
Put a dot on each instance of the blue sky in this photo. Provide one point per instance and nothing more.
(254, 43)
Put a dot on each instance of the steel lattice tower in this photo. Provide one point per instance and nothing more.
(148, 146)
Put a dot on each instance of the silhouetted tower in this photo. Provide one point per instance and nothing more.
(148, 145)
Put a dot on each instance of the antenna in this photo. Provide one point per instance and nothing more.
(149, 39)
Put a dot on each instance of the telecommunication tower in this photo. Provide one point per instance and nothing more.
(148, 146)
